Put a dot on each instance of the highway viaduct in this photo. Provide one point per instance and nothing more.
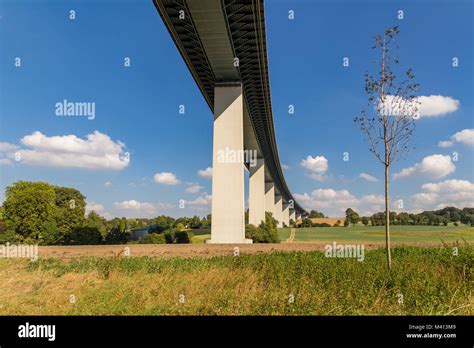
(223, 43)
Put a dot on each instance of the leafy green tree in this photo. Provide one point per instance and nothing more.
(183, 221)
(84, 236)
(351, 216)
(162, 223)
(51, 235)
(403, 218)
(195, 222)
(365, 220)
(117, 236)
(70, 209)
(306, 223)
(96, 221)
(315, 214)
(29, 208)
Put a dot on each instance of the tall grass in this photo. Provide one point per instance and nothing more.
(430, 281)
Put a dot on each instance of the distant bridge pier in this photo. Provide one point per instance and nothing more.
(270, 197)
(257, 193)
(298, 217)
(285, 215)
(292, 215)
(279, 210)
(228, 219)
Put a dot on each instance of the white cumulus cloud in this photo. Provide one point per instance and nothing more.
(166, 178)
(434, 166)
(98, 208)
(96, 151)
(136, 209)
(454, 192)
(194, 189)
(466, 137)
(201, 203)
(335, 202)
(429, 106)
(368, 177)
(7, 147)
(316, 167)
(437, 105)
(205, 173)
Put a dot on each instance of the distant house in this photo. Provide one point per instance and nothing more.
(330, 221)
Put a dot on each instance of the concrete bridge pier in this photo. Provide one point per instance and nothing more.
(228, 222)
(270, 197)
(286, 214)
(292, 215)
(279, 210)
(257, 193)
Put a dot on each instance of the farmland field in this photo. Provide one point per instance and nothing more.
(374, 234)
(432, 281)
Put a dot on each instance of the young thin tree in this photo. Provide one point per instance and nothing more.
(389, 121)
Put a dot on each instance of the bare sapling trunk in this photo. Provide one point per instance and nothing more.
(387, 220)
(389, 122)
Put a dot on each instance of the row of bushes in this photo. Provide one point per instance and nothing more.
(170, 236)
(81, 235)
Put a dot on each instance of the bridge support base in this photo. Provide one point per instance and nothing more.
(228, 221)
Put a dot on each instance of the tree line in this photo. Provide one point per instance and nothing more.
(38, 212)
(441, 217)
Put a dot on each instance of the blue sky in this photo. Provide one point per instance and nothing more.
(136, 107)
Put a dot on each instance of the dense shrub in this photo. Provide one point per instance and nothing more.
(183, 237)
(265, 233)
(175, 235)
(8, 237)
(153, 238)
(51, 234)
(254, 233)
(117, 236)
(83, 236)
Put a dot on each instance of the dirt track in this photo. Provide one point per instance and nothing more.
(183, 250)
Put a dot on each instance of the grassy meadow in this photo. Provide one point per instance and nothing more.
(400, 234)
(429, 281)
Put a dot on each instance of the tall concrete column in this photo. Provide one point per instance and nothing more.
(292, 215)
(228, 222)
(286, 214)
(257, 193)
(298, 217)
(270, 197)
(279, 210)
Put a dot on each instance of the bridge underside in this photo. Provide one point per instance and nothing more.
(223, 44)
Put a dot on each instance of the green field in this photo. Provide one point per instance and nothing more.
(284, 233)
(432, 281)
(401, 234)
